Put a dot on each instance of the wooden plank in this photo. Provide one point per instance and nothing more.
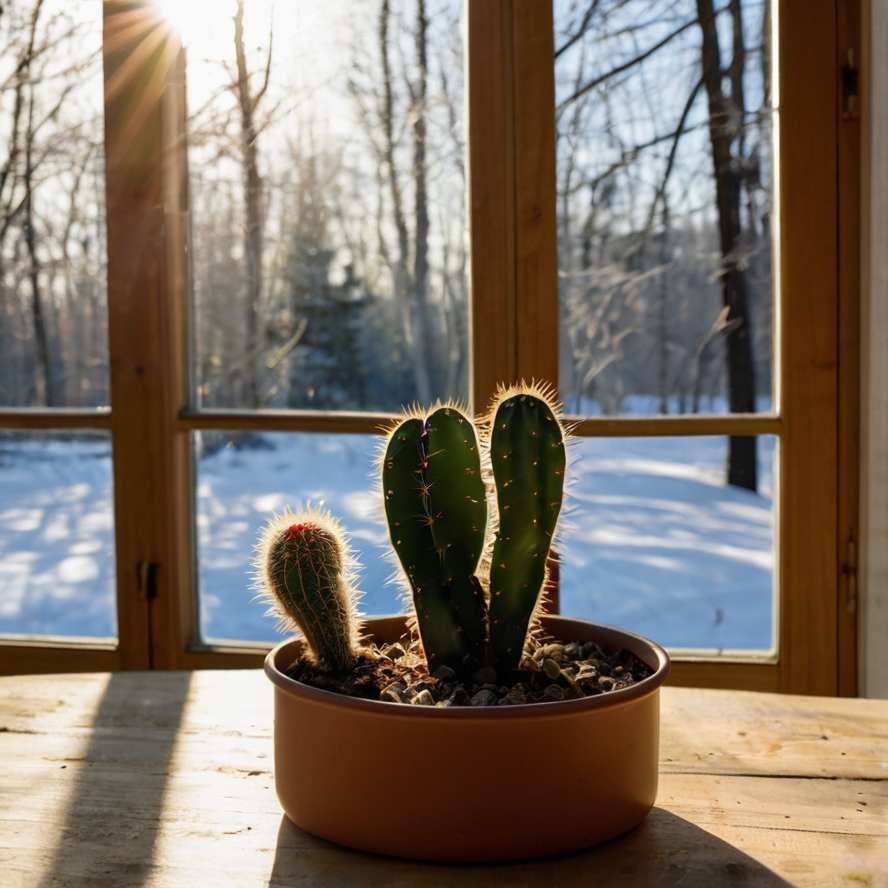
(808, 568)
(166, 779)
(748, 676)
(650, 426)
(143, 62)
(874, 358)
(174, 612)
(285, 421)
(536, 249)
(848, 517)
(491, 186)
(742, 732)
(69, 418)
(41, 657)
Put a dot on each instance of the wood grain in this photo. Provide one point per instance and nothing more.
(491, 185)
(166, 779)
(808, 286)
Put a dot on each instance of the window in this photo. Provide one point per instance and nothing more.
(196, 366)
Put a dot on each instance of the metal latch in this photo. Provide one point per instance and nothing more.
(849, 572)
(148, 580)
(850, 88)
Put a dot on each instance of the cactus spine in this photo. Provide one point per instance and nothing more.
(436, 507)
(304, 568)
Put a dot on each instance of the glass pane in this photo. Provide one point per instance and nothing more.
(328, 204)
(53, 308)
(243, 480)
(664, 206)
(57, 570)
(657, 543)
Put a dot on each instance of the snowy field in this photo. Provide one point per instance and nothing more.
(652, 541)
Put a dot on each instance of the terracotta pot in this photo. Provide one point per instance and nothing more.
(468, 784)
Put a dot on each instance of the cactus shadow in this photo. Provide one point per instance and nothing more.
(664, 850)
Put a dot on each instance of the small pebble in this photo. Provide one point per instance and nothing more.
(459, 697)
(605, 668)
(553, 692)
(424, 698)
(444, 673)
(606, 683)
(484, 697)
(552, 669)
(485, 675)
(552, 650)
(573, 650)
(590, 649)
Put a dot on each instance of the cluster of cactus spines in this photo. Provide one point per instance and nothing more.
(528, 459)
(435, 497)
(305, 572)
(436, 507)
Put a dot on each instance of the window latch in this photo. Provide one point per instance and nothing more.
(850, 88)
(148, 580)
(849, 572)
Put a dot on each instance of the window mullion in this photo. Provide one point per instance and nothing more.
(142, 60)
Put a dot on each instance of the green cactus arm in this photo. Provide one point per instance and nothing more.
(458, 507)
(409, 518)
(528, 457)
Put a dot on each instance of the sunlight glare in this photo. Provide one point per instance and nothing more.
(195, 20)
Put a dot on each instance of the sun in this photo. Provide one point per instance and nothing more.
(195, 21)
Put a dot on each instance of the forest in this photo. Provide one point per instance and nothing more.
(328, 206)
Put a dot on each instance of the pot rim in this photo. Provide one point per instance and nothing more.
(611, 699)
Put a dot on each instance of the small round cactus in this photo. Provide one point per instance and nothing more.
(305, 571)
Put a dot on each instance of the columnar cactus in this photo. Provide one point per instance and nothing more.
(436, 506)
(304, 572)
(528, 459)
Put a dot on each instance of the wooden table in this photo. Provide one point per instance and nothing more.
(165, 779)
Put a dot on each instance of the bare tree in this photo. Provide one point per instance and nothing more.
(248, 102)
(609, 104)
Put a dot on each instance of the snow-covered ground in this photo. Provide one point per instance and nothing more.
(652, 541)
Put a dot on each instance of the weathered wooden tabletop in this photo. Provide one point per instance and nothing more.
(165, 779)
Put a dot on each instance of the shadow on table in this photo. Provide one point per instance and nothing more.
(665, 850)
(114, 807)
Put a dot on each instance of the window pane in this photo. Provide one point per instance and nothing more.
(245, 479)
(57, 571)
(53, 309)
(657, 543)
(328, 210)
(664, 206)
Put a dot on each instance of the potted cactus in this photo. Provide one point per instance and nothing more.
(454, 720)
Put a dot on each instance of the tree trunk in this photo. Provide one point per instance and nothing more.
(46, 389)
(421, 308)
(402, 278)
(253, 234)
(725, 123)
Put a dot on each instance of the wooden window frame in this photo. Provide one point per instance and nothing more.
(511, 153)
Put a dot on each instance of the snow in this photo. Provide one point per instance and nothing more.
(57, 570)
(652, 539)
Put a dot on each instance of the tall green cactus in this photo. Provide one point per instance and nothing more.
(304, 568)
(436, 506)
(528, 458)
